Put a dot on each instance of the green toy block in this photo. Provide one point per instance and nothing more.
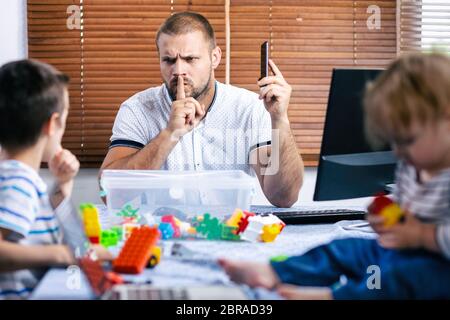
(86, 205)
(279, 258)
(128, 212)
(228, 234)
(118, 230)
(210, 227)
(109, 238)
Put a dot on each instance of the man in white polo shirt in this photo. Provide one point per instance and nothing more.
(193, 122)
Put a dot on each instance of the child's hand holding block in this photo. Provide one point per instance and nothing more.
(386, 208)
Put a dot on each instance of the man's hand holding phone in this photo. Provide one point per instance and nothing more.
(264, 60)
(274, 90)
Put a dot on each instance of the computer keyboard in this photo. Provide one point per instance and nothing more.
(311, 216)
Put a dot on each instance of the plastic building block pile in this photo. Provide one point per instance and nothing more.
(138, 242)
(242, 225)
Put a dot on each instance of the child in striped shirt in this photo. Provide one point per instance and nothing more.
(33, 110)
(408, 106)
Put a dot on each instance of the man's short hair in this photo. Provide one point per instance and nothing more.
(186, 22)
(30, 92)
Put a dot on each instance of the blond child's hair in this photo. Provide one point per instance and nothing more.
(414, 89)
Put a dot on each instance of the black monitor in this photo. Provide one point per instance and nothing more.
(348, 166)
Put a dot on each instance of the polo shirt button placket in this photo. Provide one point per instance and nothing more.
(198, 160)
(197, 150)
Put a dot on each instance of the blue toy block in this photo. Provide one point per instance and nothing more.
(166, 230)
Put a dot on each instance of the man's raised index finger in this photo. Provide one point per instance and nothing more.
(180, 88)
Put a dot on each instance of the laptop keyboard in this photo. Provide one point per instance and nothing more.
(311, 216)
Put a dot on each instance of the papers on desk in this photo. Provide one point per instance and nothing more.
(362, 227)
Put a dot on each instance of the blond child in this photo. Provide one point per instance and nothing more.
(408, 106)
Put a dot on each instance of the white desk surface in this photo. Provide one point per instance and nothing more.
(295, 239)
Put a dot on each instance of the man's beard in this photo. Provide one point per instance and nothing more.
(196, 92)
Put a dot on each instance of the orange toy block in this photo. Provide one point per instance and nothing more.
(136, 252)
(234, 220)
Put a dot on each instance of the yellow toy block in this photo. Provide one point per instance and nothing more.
(178, 222)
(91, 220)
(234, 220)
(386, 208)
(270, 232)
(192, 231)
(392, 213)
(127, 229)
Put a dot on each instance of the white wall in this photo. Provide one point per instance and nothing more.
(13, 30)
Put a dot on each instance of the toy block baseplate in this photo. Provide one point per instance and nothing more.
(136, 252)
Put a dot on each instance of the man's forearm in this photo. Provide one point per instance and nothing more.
(282, 186)
(151, 157)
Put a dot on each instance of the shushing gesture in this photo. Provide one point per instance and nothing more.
(186, 113)
(276, 93)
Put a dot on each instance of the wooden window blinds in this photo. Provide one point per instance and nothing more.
(424, 25)
(111, 53)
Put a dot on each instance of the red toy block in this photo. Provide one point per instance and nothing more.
(99, 280)
(244, 221)
(379, 203)
(136, 252)
(94, 240)
(114, 278)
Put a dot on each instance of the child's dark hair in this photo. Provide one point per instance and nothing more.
(30, 92)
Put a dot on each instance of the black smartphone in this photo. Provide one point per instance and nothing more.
(264, 60)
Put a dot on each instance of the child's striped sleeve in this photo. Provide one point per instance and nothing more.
(443, 239)
(18, 206)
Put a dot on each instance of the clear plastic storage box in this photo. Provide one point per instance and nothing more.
(185, 194)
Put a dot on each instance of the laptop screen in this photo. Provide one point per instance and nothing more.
(72, 228)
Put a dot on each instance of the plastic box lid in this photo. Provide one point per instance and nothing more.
(151, 179)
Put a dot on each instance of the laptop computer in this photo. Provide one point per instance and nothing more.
(107, 285)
